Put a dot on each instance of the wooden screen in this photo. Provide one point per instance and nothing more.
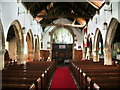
(62, 51)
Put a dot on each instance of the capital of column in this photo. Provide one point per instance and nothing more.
(107, 50)
(95, 51)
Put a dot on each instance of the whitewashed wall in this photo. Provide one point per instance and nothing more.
(104, 16)
(119, 10)
(9, 12)
(46, 37)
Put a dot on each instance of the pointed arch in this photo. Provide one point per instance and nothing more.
(110, 34)
(2, 46)
(17, 29)
(97, 39)
(30, 44)
(72, 33)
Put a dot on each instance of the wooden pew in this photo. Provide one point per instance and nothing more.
(18, 87)
(95, 70)
(29, 70)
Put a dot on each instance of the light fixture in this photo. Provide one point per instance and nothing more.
(92, 34)
(23, 30)
(109, 9)
(35, 35)
(104, 26)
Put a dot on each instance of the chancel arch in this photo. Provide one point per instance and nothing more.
(111, 49)
(62, 43)
(30, 44)
(2, 46)
(15, 42)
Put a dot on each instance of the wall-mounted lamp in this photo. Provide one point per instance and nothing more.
(35, 35)
(109, 9)
(23, 30)
(104, 26)
(92, 34)
(19, 12)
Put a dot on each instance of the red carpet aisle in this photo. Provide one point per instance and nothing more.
(63, 79)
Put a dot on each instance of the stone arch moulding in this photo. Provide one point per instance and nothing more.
(72, 33)
(96, 44)
(30, 45)
(110, 34)
(19, 41)
(2, 46)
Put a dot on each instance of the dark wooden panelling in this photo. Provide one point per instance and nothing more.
(78, 54)
(59, 53)
(44, 54)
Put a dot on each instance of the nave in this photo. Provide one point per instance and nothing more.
(83, 74)
(60, 45)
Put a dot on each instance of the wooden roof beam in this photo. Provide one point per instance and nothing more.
(30, 6)
(95, 6)
(62, 16)
(62, 25)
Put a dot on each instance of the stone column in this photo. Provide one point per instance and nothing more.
(95, 56)
(20, 57)
(88, 53)
(22, 51)
(107, 56)
(2, 59)
(36, 55)
(73, 55)
(83, 54)
(30, 55)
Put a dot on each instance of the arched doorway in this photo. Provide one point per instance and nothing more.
(2, 46)
(15, 42)
(112, 41)
(37, 48)
(30, 45)
(62, 41)
(98, 46)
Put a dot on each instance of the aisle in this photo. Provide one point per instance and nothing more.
(63, 79)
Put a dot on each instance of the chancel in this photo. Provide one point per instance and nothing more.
(47, 45)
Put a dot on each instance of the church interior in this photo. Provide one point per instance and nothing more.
(55, 44)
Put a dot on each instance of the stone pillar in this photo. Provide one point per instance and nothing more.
(2, 59)
(88, 54)
(95, 56)
(37, 55)
(22, 51)
(73, 55)
(107, 56)
(20, 58)
(30, 56)
(50, 49)
(83, 54)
